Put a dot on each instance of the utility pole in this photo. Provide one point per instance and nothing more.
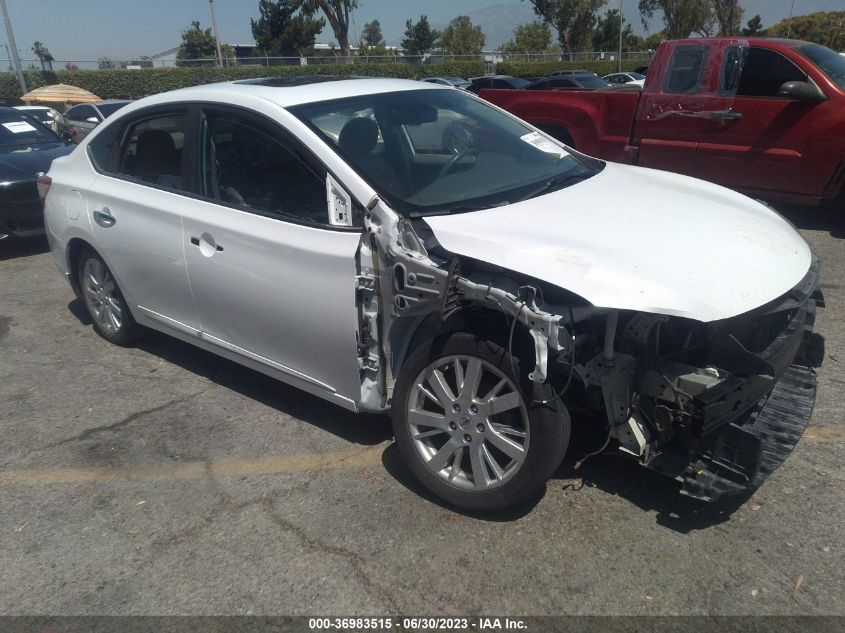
(619, 65)
(14, 46)
(789, 23)
(216, 36)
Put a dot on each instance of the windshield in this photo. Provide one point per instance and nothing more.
(19, 131)
(832, 64)
(442, 151)
(107, 109)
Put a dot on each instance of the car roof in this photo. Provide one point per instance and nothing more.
(285, 91)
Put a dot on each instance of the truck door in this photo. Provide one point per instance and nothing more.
(757, 139)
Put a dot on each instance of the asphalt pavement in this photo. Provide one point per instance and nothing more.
(161, 479)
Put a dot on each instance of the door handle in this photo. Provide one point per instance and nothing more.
(208, 242)
(104, 218)
(726, 115)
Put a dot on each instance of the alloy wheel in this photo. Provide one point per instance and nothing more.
(102, 296)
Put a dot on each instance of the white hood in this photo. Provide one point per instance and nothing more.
(640, 239)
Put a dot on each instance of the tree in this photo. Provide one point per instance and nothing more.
(825, 27)
(606, 33)
(574, 20)
(371, 34)
(284, 28)
(337, 13)
(197, 43)
(420, 38)
(728, 14)
(43, 55)
(681, 17)
(534, 37)
(104, 63)
(754, 27)
(461, 37)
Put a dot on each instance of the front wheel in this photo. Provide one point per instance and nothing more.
(466, 430)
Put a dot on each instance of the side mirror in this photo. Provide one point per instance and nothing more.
(92, 119)
(801, 91)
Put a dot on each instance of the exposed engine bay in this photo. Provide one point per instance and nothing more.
(715, 405)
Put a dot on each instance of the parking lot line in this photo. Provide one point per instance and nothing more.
(270, 465)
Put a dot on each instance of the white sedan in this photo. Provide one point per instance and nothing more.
(625, 79)
(403, 248)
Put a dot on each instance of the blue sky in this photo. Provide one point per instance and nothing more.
(120, 29)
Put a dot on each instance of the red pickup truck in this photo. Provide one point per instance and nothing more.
(763, 116)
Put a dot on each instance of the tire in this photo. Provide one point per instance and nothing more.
(475, 443)
(104, 302)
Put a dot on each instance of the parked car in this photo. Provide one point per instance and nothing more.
(477, 280)
(497, 82)
(80, 119)
(47, 116)
(589, 81)
(456, 82)
(764, 116)
(26, 150)
(625, 79)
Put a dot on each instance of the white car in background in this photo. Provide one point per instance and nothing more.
(397, 247)
(625, 79)
(48, 116)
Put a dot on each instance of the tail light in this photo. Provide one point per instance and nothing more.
(44, 182)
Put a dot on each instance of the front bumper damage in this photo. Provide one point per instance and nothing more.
(741, 430)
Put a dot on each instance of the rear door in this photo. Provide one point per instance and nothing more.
(135, 207)
(273, 281)
(765, 141)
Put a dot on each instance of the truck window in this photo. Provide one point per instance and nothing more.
(765, 71)
(687, 67)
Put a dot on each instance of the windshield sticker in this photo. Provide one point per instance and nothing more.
(543, 144)
(16, 127)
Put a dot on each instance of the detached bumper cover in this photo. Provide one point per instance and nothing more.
(745, 455)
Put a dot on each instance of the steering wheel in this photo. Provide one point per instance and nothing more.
(465, 151)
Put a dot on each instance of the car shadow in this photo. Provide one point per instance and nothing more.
(815, 218)
(365, 429)
(26, 247)
(648, 490)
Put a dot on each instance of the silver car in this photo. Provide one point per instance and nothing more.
(397, 247)
(81, 119)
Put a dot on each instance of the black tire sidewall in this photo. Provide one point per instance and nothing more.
(549, 428)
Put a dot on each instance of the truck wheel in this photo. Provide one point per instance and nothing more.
(558, 133)
(465, 429)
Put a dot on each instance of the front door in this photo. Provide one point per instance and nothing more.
(271, 279)
(766, 143)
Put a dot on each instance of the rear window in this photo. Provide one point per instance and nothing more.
(18, 132)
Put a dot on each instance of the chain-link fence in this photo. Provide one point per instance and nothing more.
(169, 60)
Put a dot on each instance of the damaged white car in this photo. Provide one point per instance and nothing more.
(397, 247)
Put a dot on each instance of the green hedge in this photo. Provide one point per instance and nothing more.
(543, 69)
(132, 84)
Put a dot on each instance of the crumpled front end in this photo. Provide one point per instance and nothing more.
(726, 406)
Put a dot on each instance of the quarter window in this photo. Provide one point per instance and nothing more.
(246, 165)
(152, 151)
(687, 68)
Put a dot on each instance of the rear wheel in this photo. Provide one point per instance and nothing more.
(104, 301)
(466, 430)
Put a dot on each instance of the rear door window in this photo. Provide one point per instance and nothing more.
(151, 150)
